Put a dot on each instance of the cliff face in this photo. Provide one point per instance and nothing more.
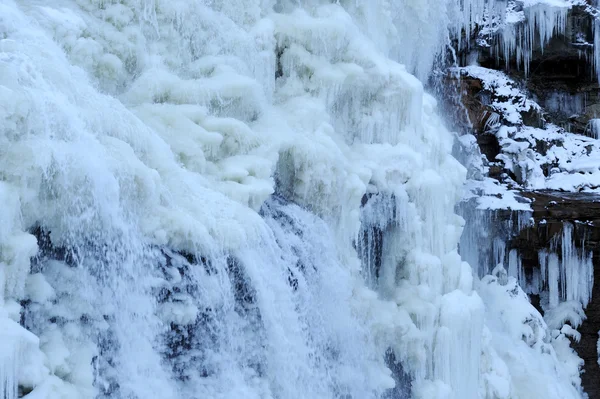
(562, 74)
(534, 118)
(551, 210)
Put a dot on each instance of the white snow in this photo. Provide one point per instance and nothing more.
(526, 352)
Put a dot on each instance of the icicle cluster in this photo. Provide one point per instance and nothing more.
(567, 271)
(531, 29)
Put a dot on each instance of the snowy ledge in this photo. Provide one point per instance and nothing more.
(532, 153)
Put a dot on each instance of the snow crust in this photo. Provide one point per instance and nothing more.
(134, 130)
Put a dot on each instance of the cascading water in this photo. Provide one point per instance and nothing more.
(243, 199)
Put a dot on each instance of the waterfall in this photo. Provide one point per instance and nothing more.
(245, 199)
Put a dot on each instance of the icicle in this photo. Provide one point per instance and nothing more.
(576, 269)
(520, 39)
(473, 13)
(566, 249)
(596, 59)
(543, 259)
(11, 335)
(524, 220)
(515, 267)
(553, 273)
(8, 348)
(534, 286)
(571, 278)
(598, 347)
(8, 371)
(380, 213)
(593, 128)
(499, 251)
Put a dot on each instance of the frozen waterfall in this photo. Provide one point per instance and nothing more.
(249, 199)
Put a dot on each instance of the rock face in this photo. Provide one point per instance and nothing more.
(562, 77)
(550, 211)
(536, 132)
(586, 347)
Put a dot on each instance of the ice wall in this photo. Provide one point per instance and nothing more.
(242, 199)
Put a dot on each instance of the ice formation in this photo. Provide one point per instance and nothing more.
(518, 28)
(567, 272)
(544, 20)
(248, 198)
